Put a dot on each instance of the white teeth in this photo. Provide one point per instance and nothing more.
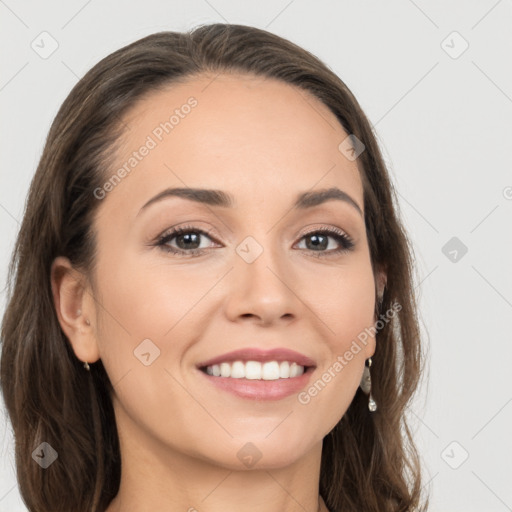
(295, 370)
(270, 371)
(237, 370)
(284, 370)
(254, 370)
(225, 370)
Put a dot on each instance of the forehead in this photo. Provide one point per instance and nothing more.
(233, 132)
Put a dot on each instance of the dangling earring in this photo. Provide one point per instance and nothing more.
(86, 366)
(366, 385)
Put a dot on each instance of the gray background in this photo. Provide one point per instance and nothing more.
(443, 119)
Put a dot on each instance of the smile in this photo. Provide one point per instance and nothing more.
(256, 370)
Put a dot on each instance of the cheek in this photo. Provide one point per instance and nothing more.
(141, 301)
(346, 311)
(345, 303)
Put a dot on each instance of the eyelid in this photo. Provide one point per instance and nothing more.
(176, 231)
(345, 241)
(213, 234)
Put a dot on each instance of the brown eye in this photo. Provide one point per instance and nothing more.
(319, 241)
(187, 241)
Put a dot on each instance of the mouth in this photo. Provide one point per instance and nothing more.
(257, 374)
(256, 370)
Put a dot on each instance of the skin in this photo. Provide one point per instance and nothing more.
(264, 142)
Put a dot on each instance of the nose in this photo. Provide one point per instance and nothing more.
(263, 291)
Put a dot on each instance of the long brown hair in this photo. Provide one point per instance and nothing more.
(369, 461)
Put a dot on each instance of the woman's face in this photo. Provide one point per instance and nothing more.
(264, 276)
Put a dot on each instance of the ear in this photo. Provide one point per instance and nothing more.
(76, 309)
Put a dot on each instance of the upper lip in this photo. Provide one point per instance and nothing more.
(255, 354)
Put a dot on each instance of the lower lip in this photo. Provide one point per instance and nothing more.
(261, 389)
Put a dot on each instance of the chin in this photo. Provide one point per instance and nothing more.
(259, 452)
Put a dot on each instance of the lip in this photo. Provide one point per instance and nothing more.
(255, 354)
(261, 390)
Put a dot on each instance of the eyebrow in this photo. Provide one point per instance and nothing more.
(220, 198)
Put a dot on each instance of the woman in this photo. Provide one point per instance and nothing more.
(211, 302)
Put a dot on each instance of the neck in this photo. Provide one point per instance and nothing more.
(156, 477)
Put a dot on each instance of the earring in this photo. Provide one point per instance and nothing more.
(86, 366)
(366, 385)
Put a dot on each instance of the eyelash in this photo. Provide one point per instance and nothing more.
(346, 242)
